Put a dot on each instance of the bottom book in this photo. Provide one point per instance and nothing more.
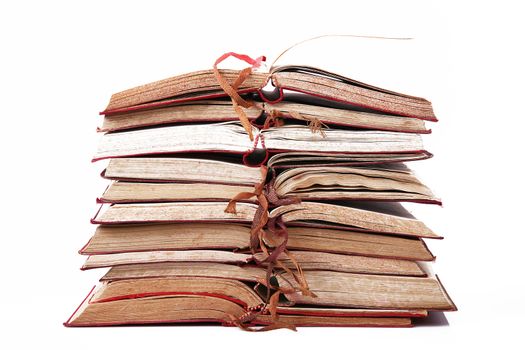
(234, 295)
(190, 309)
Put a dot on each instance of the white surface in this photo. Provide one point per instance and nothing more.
(60, 62)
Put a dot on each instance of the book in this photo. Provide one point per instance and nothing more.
(386, 217)
(306, 183)
(110, 239)
(334, 289)
(231, 137)
(308, 260)
(230, 289)
(307, 80)
(231, 171)
(199, 85)
(207, 309)
(218, 299)
(223, 110)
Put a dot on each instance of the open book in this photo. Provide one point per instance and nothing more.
(231, 137)
(307, 183)
(308, 260)
(105, 306)
(222, 110)
(386, 218)
(300, 79)
(208, 170)
(333, 288)
(111, 239)
(209, 292)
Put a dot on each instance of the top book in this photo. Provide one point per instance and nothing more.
(287, 80)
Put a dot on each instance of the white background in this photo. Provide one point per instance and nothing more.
(60, 62)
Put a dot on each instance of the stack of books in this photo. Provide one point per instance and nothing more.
(235, 205)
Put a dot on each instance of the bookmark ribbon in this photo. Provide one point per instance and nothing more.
(239, 104)
(266, 194)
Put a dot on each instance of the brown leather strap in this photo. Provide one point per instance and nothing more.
(259, 221)
(281, 232)
(241, 78)
(261, 214)
(277, 227)
(225, 85)
(238, 102)
(257, 190)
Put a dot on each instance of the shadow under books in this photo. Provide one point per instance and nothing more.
(434, 319)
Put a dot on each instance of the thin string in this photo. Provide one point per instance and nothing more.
(331, 36)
